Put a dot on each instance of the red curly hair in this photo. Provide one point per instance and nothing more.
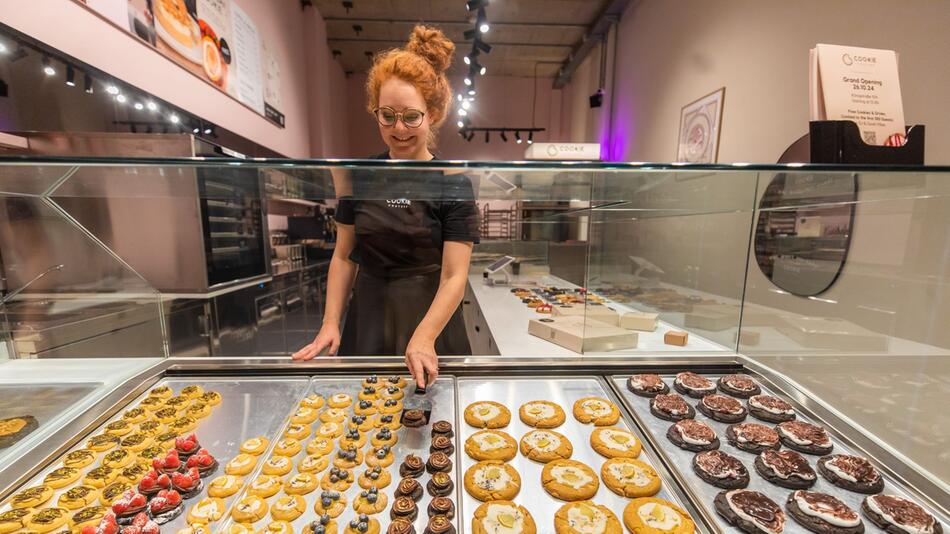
(422, 62)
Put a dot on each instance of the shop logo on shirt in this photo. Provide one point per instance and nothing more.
(402, 203)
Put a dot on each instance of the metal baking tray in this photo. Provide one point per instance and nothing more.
(563, 391)
(704, 493)
(411, 441)
(249, 407)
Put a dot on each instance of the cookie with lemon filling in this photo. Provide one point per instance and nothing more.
(265, 486)
(225, 486)
(541, 414)
(491, 445)
(649, 515)
(288, 507)
(255, 446)
(241, 464)
(586, 517)
(502, 517)
(249, 509)
(340, 400)
(612, 442)
(630, 478)
(492, 480)
(546, 446)
(313, 400)
(487, 414)
(600, 412)
(569, 480)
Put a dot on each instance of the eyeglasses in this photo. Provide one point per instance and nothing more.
(412, 118)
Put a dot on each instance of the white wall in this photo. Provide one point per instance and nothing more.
(672, 52)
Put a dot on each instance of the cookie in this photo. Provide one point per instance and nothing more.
(487, 414)
(401, 526)
(438, 462)
(324, 524)
(647, 385)
(441, 506)
(380, 457)
(313, 400)
(822, 513)
(404, 508)
(370, 501)
(600, 412)
(897, 515)
(720, 469)
(693, 385)
(330, 430)
(770, 409)
(491, 445)
(853, 473)
(442, 444)
(739, 385)
(287, 447)
(502, 516)
(331, 415)
(409, 487)
(313, 463)
(207, 510)
(35, 496)
(362, 524)
(804, 437)
(225, 486)
(586, 517)
(541, 414)
(340, 400)
(787, 469)
(79, 458)
(391, 392)
(750, 511)
(365, 407)
(752, 437)
(630, 478)
(442, 428)
(277, 465)
(440, 485)
(277, 527)
(721, 408)
(255, 446)
(265, 486)
(570, 480)
(396, 381)
(612, 442)
(336, 479)
(693, 435)
(300, 484)
(61, 477)
(546, 446)
(331, 504)
(76, 498)
(671, 407)
(320, 446)
(492, 480)
(47, 520)
(374, 477)
(439, 525)
(412, 466)
(14, 520)
(90, 516)
(649, 515)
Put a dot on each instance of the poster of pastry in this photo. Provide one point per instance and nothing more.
(699, 129)
(216, 40)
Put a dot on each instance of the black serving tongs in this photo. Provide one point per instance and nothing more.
(415, 404)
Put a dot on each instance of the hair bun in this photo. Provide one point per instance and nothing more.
(433, 46)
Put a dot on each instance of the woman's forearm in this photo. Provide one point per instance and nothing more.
(339, 284)
(446, 301)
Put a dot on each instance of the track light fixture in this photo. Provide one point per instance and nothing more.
(70, 76)
(138, 106)
(481, 22)
(120, 98)
(470, 34)
(530, 138)
(518, 137)
(87, 85)
(482, 46)
(504, 137)
(473, 5)
(112, 90)
(466, 130)
(468, 79)
(471, 91)
(47, 67)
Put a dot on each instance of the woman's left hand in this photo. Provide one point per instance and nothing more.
(421, 359)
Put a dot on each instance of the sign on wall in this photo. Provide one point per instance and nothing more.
(215, 40)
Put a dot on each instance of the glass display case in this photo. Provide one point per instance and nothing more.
(826, 286)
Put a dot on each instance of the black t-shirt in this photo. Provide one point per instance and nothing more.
(403, 217)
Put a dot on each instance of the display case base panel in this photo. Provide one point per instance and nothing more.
(410, 441)
(564, 392)
(705, 493)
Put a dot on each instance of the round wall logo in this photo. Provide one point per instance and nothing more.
(552, 150)
(846, 59)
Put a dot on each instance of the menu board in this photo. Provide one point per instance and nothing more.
(216, 40)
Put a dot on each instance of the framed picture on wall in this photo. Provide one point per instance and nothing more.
(700, 122)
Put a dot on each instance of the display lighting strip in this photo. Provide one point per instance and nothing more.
(466, 98)
(13, 50)
(468, 132)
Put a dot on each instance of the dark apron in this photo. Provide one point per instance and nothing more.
(384, 313)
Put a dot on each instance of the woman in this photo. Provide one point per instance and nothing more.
(404, 238)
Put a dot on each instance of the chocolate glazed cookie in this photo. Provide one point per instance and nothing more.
(822, 513)
(442, 428)
(401, 526)
(689, 383)
(693, 435)
(440, 485)
(439, 525)
(739, 385)
(439, 462)
(412, 466)
(897, 515)
(721, 470)
(721, 408)
(404, 508)
(442, 444)
(853, 473)
(764, 516)
(441, 506)
(647, 385)
(671, 407)
(752, 437)
(409, 487)
(804, 437)
(787, 469)
(770, 409)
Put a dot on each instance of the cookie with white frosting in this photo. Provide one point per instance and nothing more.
(853, 473)
(570, 480)
(586, 517)
(823, 513)
(721, 408)
(739, 385)
(630, 478)
(541, 414)
(787, 469)
(770, 409)
(502, 517)
(546, 446)
(694, 385)
(693, 435)
(613, 442)
(804, 437)
(897, 515)
(750, 511)
(492, 480)
(649, 515)
(721, 470)
(491, 445)
(487, 414)
(647, 385)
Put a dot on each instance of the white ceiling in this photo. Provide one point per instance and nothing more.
(525, 34)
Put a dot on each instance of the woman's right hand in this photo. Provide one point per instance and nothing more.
(327, 338)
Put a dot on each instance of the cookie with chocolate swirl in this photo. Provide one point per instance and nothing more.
(441, 506)
(404, 508)
(409, 487)
(440, 485)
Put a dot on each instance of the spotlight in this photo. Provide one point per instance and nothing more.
(472, 5)
(196, 130)
(530, 138)
(468, 59)
(120, 98)
(462, 112)
(461, 124)
(482, 21)
(470, 34)
(174, 118)
(597, 99)
(486, 136)
(138, 106)
(518, 137)
(470, 136)
(70, 76)
(152, 106)
(478, 67)
(460, 97)
(4, 49)
(47, 67)
(468, 80)
(112, 90)
(208, 130)
(87, 85)
(503, 136)
(471, 92)
(482, 46)
(466, 105)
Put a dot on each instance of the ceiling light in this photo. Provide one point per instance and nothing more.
(470, 34)
(466, 105)
(462, 112)
(482, 21)
(208, 130)
(70, 76)
(174, 118)
(518, 137)
(152, 106)
(460, 97)
(112, 90)
(120, 99)
(196, 130)
(482, 46)
(461, 124)
(471, 92)
(503, 136)
(4, 49)
(139, 106)
(478, 67)
(468, 80)
(88, 84)
(47, 68)
(472, 5)
(530, 138)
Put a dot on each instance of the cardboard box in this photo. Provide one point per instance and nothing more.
(676, 338)
(598, 312)
(638, 320)
(713, 318)
(582, 335)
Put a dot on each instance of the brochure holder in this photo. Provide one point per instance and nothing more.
(841, 142)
